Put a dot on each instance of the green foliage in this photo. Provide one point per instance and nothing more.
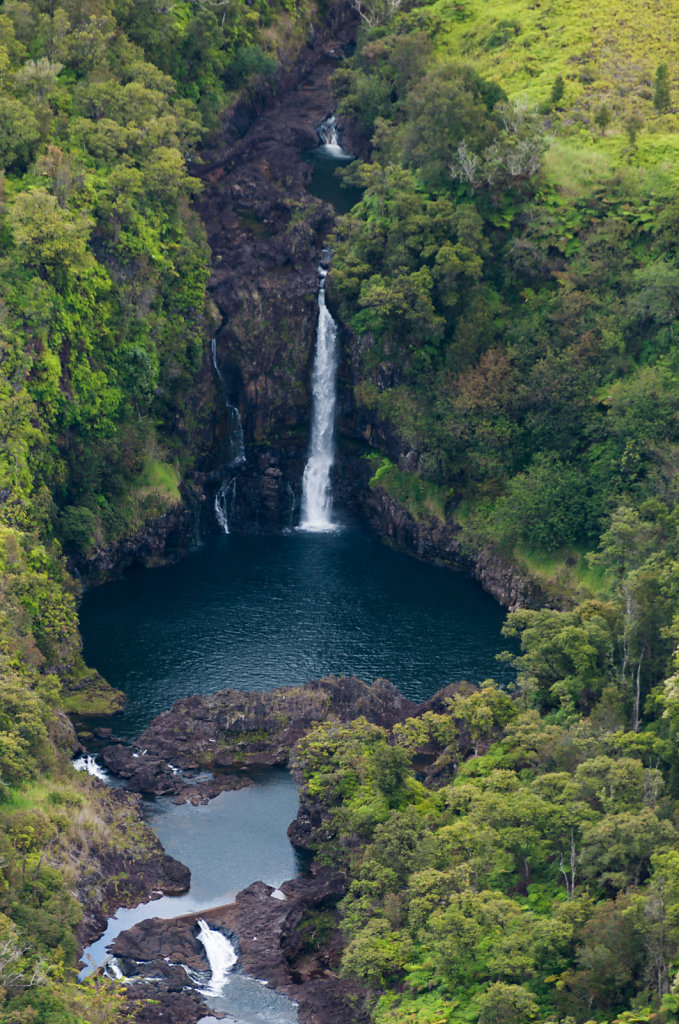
(558, 90)
(602, 118)
(661, 94)
(547, 506)
(421, 498)
(77, 528)
(103, 317)
(537, 883)
(507, 1004)
(513, 285)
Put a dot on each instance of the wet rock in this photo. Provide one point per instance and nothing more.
(268, 938)
(142, 773)
(147, 773)
(207, 789)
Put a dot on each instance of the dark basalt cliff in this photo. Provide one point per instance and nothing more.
(124, 872)
(266, 233)
(434, 540)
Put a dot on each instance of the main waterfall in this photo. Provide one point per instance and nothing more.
(316, 493)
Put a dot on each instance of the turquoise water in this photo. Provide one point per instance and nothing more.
(235, 839)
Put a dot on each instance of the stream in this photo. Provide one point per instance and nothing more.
(234, 839)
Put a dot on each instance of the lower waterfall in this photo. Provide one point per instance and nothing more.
(220, 954)
(224, 499)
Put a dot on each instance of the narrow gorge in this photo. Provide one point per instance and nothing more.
(339, 533)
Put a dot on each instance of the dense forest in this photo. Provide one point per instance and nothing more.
(508, 286)
(510, 278)
(103, 270)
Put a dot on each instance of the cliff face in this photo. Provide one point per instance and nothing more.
(266, 233)
(434, 540)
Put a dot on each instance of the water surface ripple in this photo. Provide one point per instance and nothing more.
(260, 612)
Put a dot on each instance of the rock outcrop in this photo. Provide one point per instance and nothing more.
(155, 776)
(234, 729)
(434, 540)
(125, 871)
(265, 924)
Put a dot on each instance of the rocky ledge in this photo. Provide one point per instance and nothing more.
(436, 541)
(233, 729)
(150, 775)
(264, 925)
(125, 870)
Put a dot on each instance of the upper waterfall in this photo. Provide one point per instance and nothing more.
(316, 493)
(329, 136)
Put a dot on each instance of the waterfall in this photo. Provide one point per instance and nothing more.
(87, 763)
(220, 954)
(316, 495)
(224, 501)
(235, 427)
(327, 133)
(112, 970)
(226, 494)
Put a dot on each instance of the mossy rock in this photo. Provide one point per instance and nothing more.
(89, 694)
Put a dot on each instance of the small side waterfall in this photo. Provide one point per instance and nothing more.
(224, 501)
(226, 494)
(236, 444)
(316, 494)
(87, 763)
(220, 954)
(327, 133)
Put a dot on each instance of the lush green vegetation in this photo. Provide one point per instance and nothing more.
(511, 275)
(103, 326)
(534, 875)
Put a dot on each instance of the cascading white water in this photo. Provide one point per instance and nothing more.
(220, 954)
(327, 131)
(112, 970)
(224, 499)
(316, 493)
(225, 496)
(87, 763)
(236, 443)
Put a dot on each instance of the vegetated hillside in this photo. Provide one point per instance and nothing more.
(532, 877)
(510, 279)
(103, 326)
